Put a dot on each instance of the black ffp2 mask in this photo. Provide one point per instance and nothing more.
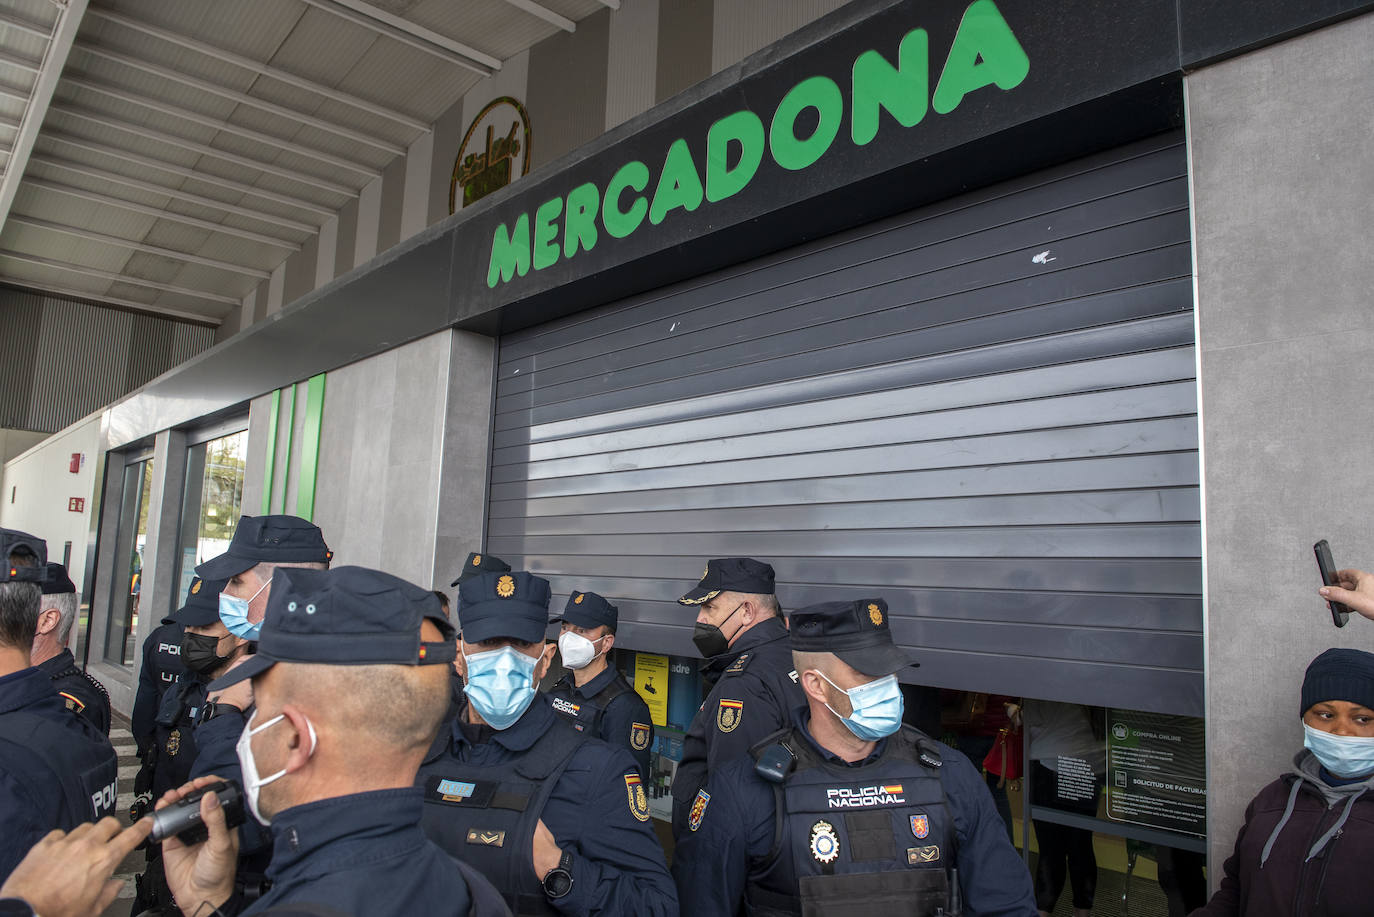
(198, 653)
(710, 640)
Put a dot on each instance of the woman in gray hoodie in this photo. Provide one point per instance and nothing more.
(1308, 839)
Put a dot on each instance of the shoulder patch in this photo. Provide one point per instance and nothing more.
(74, 703)
(639, 800)
(729, 714)
(639, 736)
(739, 664)
(698, 809)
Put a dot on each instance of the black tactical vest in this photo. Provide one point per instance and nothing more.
(86, 772)
(586, 715)
(486, 816)
(871, 841)
(174, 734)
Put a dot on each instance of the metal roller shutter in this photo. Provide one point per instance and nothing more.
(983, 411)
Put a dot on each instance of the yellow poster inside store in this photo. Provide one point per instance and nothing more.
(651, 683)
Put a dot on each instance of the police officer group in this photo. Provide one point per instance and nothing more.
(391, 763)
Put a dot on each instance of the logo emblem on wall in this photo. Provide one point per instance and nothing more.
(495, 152)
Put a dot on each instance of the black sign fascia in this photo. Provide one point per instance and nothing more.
(1211, 30)
(1079, 52)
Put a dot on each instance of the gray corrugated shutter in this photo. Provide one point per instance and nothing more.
(983, 411)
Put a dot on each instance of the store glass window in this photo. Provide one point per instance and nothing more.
(129, 548)
(211, 504)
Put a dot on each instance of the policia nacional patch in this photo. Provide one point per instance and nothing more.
(639, 736)
(639, 800)
(698, 809)
(729, 714)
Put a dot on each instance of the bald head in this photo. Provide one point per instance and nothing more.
(384, 710)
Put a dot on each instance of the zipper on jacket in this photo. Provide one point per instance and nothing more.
(1302, 874)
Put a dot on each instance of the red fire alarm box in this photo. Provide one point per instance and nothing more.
(75, 466)
(76, 505)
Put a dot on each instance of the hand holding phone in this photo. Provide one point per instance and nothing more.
(1339, 613)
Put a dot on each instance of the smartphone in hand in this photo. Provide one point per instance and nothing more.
(1339, 613)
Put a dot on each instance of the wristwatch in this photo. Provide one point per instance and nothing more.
(559, 881)
(216, 708)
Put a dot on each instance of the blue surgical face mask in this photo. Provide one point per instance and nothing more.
(500, 684)
(877, 708)
(1342, 756)
(233, 611)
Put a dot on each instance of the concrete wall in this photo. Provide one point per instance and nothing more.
(403, 434)
(15, 442)
(1283, 173)
(36, 487)
(575, 86)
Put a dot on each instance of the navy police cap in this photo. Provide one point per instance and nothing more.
(267, 539)
(477, 564)
(731, 574)
(857, 632)
(202, 603)
(496, 605)
(348, 616)
(56, 581)
(587, 609)
(13, 541)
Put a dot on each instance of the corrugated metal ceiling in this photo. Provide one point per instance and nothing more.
(187, 149)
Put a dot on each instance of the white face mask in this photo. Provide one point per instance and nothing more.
(577, 650)
(252, 783)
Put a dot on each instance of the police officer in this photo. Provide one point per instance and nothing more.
(260, 545)
(846, 811)
(477, 564)
(557, 819)
(56, 769)
(160, 669)
(349, 694)
(80, 691)
(593, 695)
(740, 631)
(208, 650)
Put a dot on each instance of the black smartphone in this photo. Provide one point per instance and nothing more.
(1339, 613)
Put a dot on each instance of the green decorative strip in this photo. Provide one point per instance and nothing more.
(310, 447)
(270, 461)
(290, 423)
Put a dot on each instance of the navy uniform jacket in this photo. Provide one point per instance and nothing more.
(735, 834)
(365, 854)
(216, 744)
(625, 722)
(80, 692)
(33, 798)
(618, 866)
(161, 668)
(754, 697)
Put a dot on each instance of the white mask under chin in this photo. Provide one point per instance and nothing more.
(252, 783)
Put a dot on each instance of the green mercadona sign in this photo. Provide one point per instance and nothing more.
(806, 123)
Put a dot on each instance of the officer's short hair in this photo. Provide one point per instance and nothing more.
(66, 604)
(20, 602)
(264, 569)
(765, 603)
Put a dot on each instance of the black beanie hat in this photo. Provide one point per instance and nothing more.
(1339, 674)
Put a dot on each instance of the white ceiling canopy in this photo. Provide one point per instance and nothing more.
(168, 156)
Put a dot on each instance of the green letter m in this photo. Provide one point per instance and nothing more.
(510, 252)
